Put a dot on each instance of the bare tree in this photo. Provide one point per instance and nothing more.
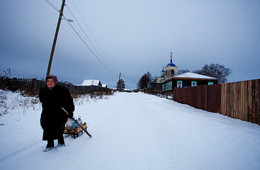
(181, 71)
(215, 70)
(7, 73)
(120, 84)
(146, 78)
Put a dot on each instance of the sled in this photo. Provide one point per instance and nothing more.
(74, 132)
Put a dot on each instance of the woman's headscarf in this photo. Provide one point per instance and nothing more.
(52, 77)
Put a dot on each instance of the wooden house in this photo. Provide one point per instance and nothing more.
(187, 80)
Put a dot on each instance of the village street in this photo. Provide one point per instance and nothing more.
(133, 131)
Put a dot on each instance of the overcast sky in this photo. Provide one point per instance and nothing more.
(129, 37)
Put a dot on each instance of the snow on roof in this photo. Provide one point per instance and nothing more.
(104, 85)
(193, 75)
(91, 83)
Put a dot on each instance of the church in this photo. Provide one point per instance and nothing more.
(170, 70)
(170, 79)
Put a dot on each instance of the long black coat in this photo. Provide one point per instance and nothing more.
(53, 118)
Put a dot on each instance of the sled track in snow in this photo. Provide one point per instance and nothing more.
(15, 153)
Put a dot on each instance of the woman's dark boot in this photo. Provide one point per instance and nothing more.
(49, 145)
(61, 141)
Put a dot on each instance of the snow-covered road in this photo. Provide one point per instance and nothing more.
(133, 131)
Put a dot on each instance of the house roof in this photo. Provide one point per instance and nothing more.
(91, 83)
(190, 76)
(194, 76)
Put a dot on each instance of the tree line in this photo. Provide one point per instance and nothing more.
(31, 87)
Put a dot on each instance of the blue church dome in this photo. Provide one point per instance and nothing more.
(171, 63)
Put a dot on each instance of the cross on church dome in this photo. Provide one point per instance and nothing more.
(171, 63)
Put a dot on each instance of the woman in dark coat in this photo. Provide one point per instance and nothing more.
(53, 97)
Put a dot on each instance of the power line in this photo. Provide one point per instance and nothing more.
(52, 5)
(68, 21)
(82, 29)
(89, 30)
(87, 45)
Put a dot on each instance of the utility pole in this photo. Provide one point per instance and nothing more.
(55, 37)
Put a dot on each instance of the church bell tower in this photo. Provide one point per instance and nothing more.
(171, 69)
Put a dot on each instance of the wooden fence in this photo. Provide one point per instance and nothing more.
(237, 100)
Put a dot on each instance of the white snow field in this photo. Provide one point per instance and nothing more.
(131, 131)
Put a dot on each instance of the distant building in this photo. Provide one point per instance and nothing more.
(170, 70)
(104, 85)
(169, 79)
(187, 80)
(92, 83)
(167, 72)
